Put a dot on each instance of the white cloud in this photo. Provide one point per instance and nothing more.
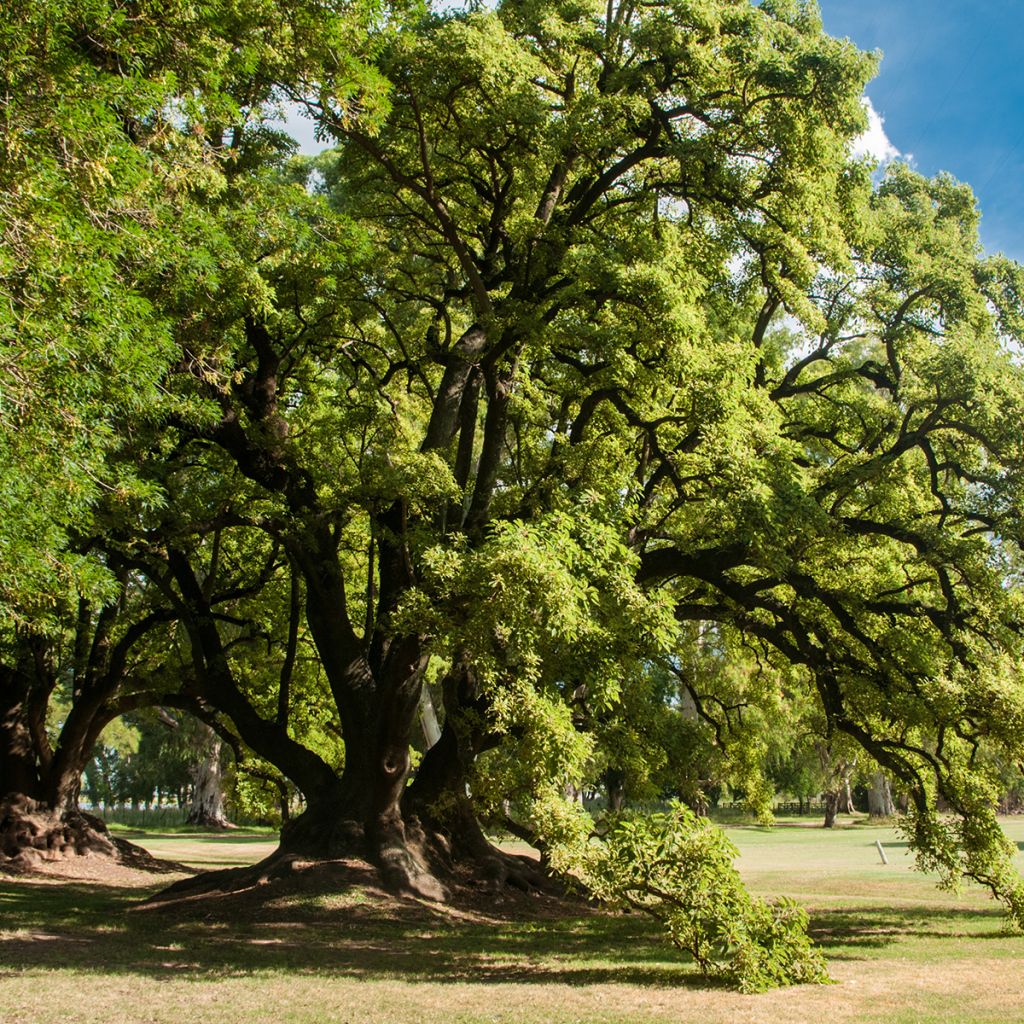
(874, 142)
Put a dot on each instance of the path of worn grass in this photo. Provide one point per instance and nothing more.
(902, 952)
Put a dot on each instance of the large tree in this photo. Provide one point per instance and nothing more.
(460, 425)
(122, 121)
(597, 335)
(629, 341)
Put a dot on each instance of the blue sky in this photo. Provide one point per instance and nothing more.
(951, 94)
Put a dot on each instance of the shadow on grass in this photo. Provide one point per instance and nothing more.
(843, 934)
(86, 928)
(902, 844)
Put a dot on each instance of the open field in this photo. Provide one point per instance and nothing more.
(900, 950)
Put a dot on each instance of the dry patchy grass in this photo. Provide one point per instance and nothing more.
(319, 950)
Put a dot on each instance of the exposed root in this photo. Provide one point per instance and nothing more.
(34, 836)
(411, 862)
(401, 858)
(405, 864)
(295, 889)
(464, 851)
(227, 880)
(312, 839)
(401, 872)
(496, 869)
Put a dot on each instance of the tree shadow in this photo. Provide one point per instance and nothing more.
(902, 844)
(357, 934)
(844, 933)
(88, 928)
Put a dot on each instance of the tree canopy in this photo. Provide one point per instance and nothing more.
(587, 383)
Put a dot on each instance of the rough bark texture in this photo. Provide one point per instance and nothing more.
(207, 782)
(39, 816)
(439, 802)
(33, 834)
(880, 802)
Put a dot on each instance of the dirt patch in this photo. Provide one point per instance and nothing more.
(101, 870)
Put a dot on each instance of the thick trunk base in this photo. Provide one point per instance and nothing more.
(399, 849)
(439, 804)
(457, 842)
(33, 836)
(202, 820)
(322, 835)
(322, 832)
(427, 862)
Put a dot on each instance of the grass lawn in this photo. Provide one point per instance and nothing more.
(900, 950)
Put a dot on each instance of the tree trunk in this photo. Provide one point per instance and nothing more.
(846, 794)
(284, 801)
(207, 782)
(19, 773)
(375, 678)
(880, 802)
(40, 785)
(376, 684)
(837, 796)
(377, 689)
(439, 803)
(615, 785)
(39, 816)
(831, 808)
(429, 724)
(41, 821)
(361, 813)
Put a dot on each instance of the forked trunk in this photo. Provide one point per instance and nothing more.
(361, 815)
(39, 817)
(377, 694)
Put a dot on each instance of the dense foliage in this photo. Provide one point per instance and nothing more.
(586, 385)
(678, 868)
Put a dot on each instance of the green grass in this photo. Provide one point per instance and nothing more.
(159, 819)
(205, 848)
(900, 950)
